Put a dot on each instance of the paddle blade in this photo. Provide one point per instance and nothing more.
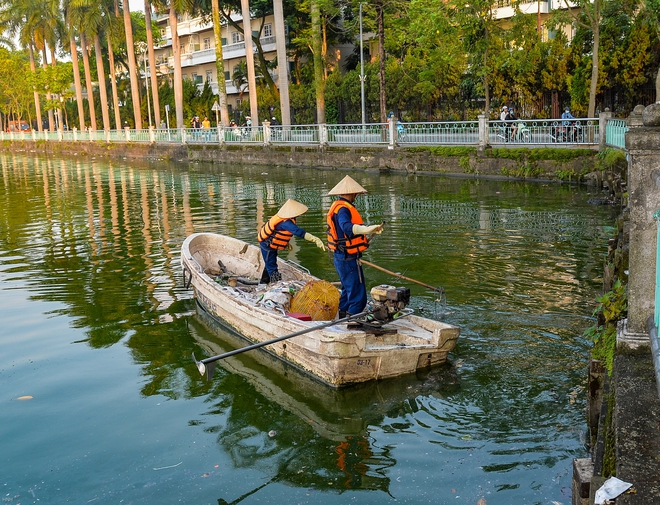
(200, 366)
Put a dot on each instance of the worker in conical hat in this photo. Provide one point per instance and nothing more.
(275, 235)
(347, 186)
(348, 238)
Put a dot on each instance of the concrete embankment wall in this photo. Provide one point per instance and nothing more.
(542, 163)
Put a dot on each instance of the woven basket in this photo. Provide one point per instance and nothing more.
(318, 299)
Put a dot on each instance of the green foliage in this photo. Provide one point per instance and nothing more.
(612, 307)
(610, 158)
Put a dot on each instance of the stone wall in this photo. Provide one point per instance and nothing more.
(643, 145)
(502, 162)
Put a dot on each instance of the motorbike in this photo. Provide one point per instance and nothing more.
(521, 135)
(571, 133)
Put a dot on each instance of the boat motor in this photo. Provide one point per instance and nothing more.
(389, 303)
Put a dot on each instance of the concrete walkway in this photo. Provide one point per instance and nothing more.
(637, 425)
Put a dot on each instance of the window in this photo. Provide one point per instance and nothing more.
(227, 77)
(207, 43)
(209, 76)
(197, 79)
(182, 48)
(268, 30)
(163, 32)
(236, 37)
(238, 103)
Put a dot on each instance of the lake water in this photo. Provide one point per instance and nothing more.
(97, 332)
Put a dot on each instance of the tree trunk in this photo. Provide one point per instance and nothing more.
(88, 83)
(132, 67)
(249, 58)
(178, 82)
(595, 27)
(53, 63)
(51, 118)
(486, 84)
(37, 101)
(152, 63)
(113, 84)
(220, 64)
(381, 63)
(282, 62)
(318, 62)
(102, 89)
(77, 83)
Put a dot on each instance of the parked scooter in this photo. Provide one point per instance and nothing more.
(572, 133)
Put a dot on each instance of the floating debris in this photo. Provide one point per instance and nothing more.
(26, 397)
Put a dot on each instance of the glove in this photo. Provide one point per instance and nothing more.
(359, 229)
(315, 239)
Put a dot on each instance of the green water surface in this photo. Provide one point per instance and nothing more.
(98, 330)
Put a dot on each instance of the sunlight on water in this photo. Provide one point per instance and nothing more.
(99, 330)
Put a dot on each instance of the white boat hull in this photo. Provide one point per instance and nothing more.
(336, 355)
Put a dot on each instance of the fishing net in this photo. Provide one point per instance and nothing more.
(318, 299)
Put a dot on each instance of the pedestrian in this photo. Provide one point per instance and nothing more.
(206, 123)
(163, 125)
(348, 238)
(511, 127)
(505, 111)
(248, 121)
(566, 116)
(275, 235)
(274, 121)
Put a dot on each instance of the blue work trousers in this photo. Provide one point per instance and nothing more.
(353, 298)
(270, 257)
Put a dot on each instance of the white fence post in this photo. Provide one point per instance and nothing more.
(483, 131)
(603, 117)
(152, 135)
(266, 127)
(391, 141)
(323, 134)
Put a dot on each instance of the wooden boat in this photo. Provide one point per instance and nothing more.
(339, 354)
(334, 413)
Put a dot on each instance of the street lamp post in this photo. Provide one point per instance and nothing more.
(362, 69)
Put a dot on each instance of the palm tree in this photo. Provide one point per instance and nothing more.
(239, 78)
(132, 66)
(319, 81)
(93, 20)
(69, 29)
(249, 56)
(152, 61)
(220, 63)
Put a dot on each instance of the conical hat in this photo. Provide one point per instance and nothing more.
(291, 209)
(347, 186)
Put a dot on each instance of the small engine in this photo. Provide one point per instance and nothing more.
(387, 301)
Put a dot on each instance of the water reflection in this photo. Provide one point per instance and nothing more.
(520, 264)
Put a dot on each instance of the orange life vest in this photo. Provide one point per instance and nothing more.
(276, 239)
(355, 245)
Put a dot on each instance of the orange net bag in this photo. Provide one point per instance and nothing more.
(318, 299)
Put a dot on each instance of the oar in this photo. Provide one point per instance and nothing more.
(399, 276)
(201, 364)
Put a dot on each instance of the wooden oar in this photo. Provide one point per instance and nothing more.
(201, 364)
(399, 276)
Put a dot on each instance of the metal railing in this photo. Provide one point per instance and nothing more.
(543, 132)
(653, 321)
(616, 130)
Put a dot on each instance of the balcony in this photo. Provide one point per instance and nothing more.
(506, 8)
